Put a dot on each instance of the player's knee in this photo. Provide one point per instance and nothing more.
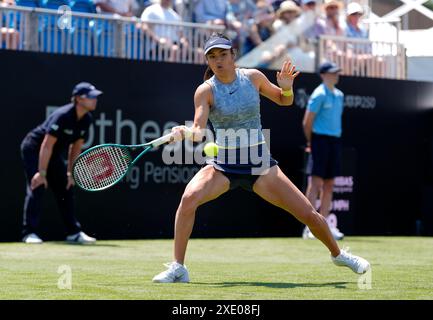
(190, 202)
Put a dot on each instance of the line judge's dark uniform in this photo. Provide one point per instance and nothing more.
(64, 125)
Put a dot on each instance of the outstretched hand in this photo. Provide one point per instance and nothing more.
(287, 75)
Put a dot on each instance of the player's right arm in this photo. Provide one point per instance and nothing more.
(44, 158)
(202, 103)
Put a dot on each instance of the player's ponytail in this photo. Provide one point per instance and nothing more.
(208, 74)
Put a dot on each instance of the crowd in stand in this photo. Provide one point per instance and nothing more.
(247, 22)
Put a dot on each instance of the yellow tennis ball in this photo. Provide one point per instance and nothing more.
(210, 149)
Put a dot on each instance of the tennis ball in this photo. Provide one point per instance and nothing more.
(210, 149)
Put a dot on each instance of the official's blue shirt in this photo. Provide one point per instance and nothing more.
(328, 107)
(65, 126)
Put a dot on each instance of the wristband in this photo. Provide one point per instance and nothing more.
(287, 93)
(43, 173)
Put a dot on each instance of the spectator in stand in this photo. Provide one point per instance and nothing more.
(9, 36)
(239, 20)
(123, 8)
(313, 32)
(353, 27)
(333, 24)
(262, 28)
(141, 5)
(275, 4)
(165, 37)
(286, 14)
(211, 11)
(361, 53)
(184, 8)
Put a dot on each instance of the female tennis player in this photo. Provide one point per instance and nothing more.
(230, 99)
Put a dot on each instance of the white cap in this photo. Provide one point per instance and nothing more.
(354, 7)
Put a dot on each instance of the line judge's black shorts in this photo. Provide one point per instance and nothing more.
(325, 159)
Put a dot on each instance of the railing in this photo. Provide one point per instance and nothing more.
(66, 32)
(365, 58)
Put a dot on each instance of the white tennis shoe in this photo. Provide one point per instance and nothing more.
(176, 272)
(80, 238)
(307, 234)
(356, 264)
(32, 238)
(337, 234)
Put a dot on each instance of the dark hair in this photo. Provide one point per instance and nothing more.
(209, 73)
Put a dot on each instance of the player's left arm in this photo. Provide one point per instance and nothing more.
(74, 152)
(281, 94)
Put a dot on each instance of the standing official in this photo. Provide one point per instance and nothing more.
(322, 128)
(48, 152)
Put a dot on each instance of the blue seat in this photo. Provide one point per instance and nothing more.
(53, 38)
(83, 6)
(82, 34)
(54, 4)
(28, 3)
(51, 27)
(134, 45)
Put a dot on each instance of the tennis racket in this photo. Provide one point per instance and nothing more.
(103, 166)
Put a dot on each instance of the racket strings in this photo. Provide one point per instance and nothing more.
(101, 167)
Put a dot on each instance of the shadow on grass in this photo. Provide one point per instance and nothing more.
(65, 243)
(276, 285)
(364, 240)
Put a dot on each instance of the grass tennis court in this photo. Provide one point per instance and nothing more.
(262, 268)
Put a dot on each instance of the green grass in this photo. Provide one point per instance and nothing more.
(263, 268)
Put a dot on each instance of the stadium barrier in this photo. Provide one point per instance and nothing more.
(365, 58)
(78, 33)
(63, 31)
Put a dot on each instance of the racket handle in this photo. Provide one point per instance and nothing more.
(164, 139)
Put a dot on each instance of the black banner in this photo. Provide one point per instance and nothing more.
(386, 128)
